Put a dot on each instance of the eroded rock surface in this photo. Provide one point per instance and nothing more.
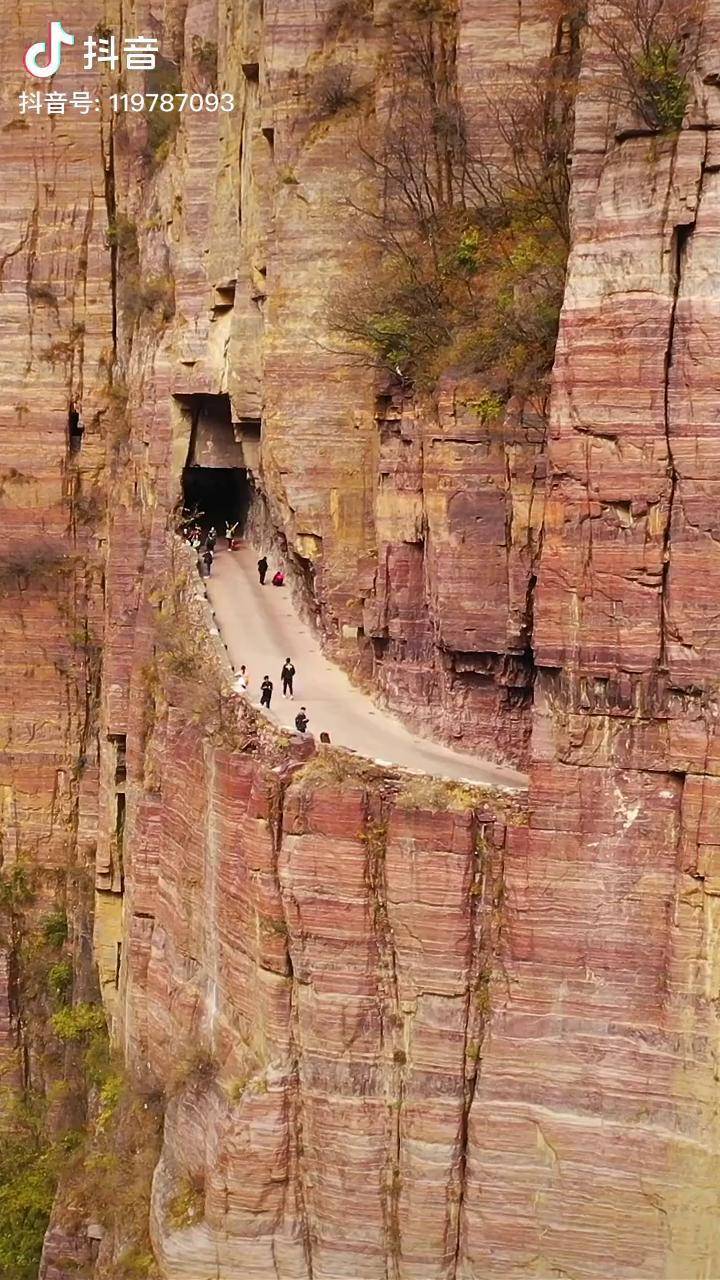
(395, 1038)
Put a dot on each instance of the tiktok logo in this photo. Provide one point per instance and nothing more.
(58, 37)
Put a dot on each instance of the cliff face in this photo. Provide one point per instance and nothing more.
(600, 1070)
(308, 966)
(412, 524)
(55, 300)
(420, 1036)
(56, 325)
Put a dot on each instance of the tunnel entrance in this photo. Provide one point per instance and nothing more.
(216, 483)
(217, 496)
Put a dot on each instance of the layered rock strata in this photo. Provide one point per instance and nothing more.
(412, 528)
(55, 299)
(595, 1126)
(308, 959)
(395, 1038)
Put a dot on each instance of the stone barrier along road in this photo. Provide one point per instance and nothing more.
(261, 627)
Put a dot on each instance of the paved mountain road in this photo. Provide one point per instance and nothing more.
(261, 628)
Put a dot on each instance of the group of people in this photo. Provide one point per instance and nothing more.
(204, 545)
(278, 578)
(287, 676)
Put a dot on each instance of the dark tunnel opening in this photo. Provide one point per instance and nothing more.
(217, 486)
(218, 496)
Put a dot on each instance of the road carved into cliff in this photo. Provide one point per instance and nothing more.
(261, 627)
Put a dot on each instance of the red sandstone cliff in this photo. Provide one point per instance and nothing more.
(394, 1038)
(55, 299)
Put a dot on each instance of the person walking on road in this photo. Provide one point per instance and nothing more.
(301, 721)
(266, 689)
(211, 540)
(262, 569)
(287, 676)
(241, 681)
(208, 561)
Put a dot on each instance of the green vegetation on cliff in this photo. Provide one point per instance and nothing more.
(77, 1142)
(466, 246)
(29, 1165)
(652, 47)
(466, 251)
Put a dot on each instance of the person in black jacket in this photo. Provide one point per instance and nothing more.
(287, 676)
(266, 689)
(262, 569)
(301, 721)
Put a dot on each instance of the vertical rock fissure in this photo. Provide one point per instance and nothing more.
(277, 818)
(91, 683)
(681, 237)
(276, 805)
(30, 243)
(111, 209)
(212, 844)
(298, 1125)
(475, 1014)
(375, 839)
(76, 360)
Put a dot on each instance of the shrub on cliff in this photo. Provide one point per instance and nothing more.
(34, 562)
(466, 251)
(652, 46)
(122, 234)
(332, 89)
(398, 317)
(196, 1071)
(150, 295)
(60, 979)
(28, 1177)
(664, 88)
(187, 1206)
(157, 295)
(438, 794)
(79, 1022)
(106, 1174)
(16, 891)
(205, 60)
(55, 928)
(41, 1143)
(162, 125)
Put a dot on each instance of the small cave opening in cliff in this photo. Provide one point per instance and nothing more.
(120, 803)
(217, 486)
(76, 429)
